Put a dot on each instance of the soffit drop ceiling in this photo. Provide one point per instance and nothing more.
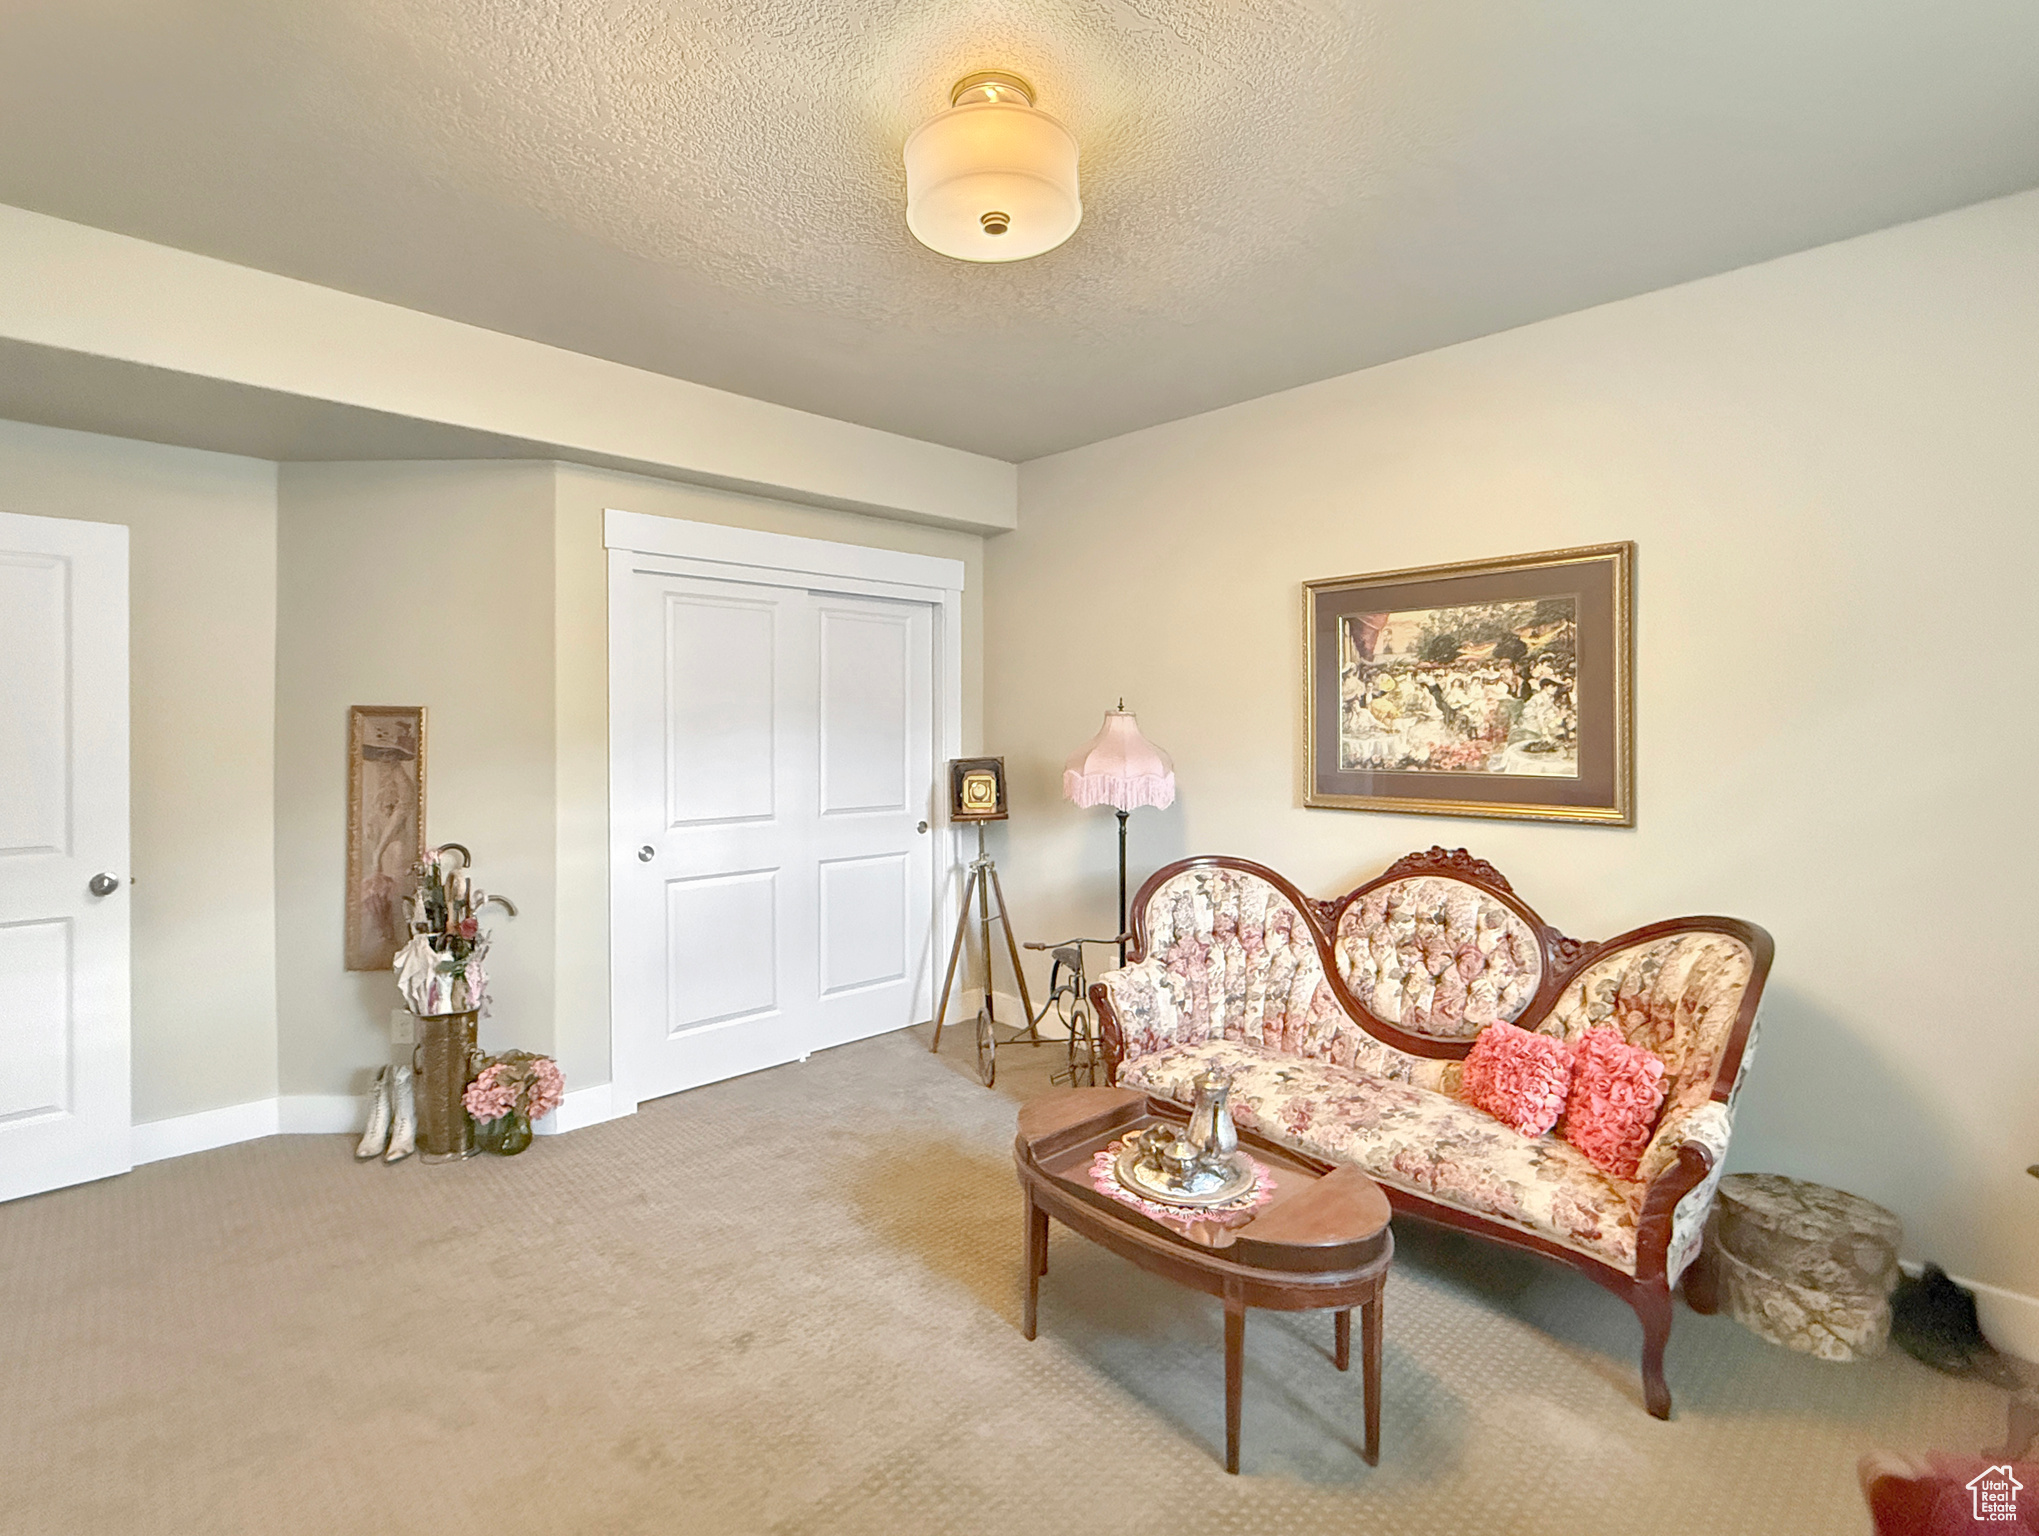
(1275, 191)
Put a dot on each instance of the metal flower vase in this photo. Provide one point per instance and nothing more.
(446, 1059)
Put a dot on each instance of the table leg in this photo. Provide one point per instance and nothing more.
(1235, 1371)
(1370, 1368)
(1037, 1262)
(1341, 1323)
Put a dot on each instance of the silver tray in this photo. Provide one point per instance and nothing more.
(1150, 1183)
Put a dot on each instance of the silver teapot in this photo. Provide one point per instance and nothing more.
(1179, 1162)
(1211, 1130)
(1168, 1152)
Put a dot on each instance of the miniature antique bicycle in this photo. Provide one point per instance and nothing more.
(1069, 1001)
(1068, 986)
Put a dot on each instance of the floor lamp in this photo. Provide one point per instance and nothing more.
(1120, 768)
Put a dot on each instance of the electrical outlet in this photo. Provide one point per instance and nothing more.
(403, 1029)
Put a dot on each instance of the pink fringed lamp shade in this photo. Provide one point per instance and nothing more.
(1120, 768)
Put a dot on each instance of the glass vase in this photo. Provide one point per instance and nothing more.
(505, 1136)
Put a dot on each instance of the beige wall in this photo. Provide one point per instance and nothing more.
(517, 735)
(296, 347)
(431, 584)
(1831, 466)
(477, 589)
(202, 580)
(582, 681)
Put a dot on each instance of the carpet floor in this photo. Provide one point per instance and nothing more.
(789, 1304)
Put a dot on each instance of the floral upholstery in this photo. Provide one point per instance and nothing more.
(1709, 1125)
(1152, 1007)
(1229, 956)
(1412, 1138)
(1234, 979)
(1437, 957)
(1676, 997)
(1696, 1116)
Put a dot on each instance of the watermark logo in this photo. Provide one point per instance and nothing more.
(1995, 1492)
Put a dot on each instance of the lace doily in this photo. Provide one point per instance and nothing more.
(1104, 1179)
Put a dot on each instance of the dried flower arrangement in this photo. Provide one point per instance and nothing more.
(440, 969)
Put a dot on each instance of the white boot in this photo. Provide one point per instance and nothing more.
(376, 1137)
(403, 1133)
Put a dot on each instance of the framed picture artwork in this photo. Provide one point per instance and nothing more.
(977, 789)
(1500, 688)
(385, 826)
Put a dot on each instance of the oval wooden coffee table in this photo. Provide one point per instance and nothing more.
(1321, 1242)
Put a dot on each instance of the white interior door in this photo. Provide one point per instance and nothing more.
(64, 1094)
(773, 777)
(873, 847)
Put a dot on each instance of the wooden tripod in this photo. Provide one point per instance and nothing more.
(983, 886)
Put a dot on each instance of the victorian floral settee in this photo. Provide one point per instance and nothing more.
(1343, 1026)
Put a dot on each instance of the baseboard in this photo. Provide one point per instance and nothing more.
(209, 1128)
(961, 1024)
(322, 1114)
(2009, 1319)
(584, 1107)
(326, 1114)
(1011, 1016)
(294, 1114)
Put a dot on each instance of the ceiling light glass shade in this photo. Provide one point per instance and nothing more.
(993, 178)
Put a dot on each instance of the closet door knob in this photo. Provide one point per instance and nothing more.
(646, 854)
(103, 885)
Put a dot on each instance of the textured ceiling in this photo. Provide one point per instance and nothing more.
(1275, 190)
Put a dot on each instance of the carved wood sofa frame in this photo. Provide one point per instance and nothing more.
(1648, 1290)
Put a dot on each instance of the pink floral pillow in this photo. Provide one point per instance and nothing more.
(1517, 1077)
(1617, 1089)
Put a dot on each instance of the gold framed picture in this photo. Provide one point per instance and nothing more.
(1497, 688)
(977, 789)
(385, 826)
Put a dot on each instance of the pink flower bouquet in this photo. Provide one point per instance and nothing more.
(517, 1082)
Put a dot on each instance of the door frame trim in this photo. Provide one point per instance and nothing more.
(785, 553)
(681, 547)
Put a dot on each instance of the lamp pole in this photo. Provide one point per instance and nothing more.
(1120, 768)
(1122, 887)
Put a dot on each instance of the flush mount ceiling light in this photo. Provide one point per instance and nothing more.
(993, 178)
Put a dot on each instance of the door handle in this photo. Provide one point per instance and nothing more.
(646, 854)
(103, 885)
(922, 827)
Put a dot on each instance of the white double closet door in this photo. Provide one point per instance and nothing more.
(773, 776)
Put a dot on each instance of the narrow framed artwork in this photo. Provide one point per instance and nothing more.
(385, 826)
(1499, 688)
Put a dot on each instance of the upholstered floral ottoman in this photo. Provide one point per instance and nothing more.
(1804, 1266)
(1345, 1026)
